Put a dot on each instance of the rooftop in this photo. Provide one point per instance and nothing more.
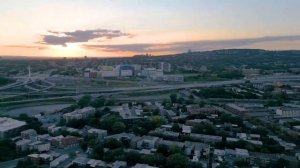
(9, 123)
(235, 106)
(95, 130)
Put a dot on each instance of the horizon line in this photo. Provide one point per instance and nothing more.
(109, 57)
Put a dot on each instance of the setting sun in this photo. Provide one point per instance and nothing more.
(68, 50)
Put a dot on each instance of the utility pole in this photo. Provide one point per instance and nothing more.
(29, 73)
(210, 157)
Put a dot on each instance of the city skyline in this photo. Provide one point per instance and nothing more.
(124, 28)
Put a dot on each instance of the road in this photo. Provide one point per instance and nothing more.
(163, 87)
(10, 163)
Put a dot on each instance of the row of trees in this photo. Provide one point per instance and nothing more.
(96, 103)
(219, 92)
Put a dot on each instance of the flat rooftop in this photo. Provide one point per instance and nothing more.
(9, 124)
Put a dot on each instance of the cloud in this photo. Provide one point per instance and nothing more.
(62, 38)
(27, 47)
(121, 47)
(201, 45)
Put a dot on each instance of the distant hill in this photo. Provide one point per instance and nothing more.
(255, 58)
(252, 57)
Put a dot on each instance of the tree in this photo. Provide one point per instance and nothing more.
(204, 129)
(242, 163)
(223, 165)
(110, 102)
(132, 158)
(176, 128)
(195, 165)
(155, 112)
(98, 102)
(156, 159)
(72, 154)
(113, 155)
(280, 163)
(216, 92)
(4, 81)
(225, 117)
(77, 123)
(149, 159)
(260, 130)
(118, 127)
(201, 103)
(84, 101)
(180, 100)
(107, 121)
(177, 161)
(157, 121)
(7, 150)
(69, 109)
(98, 151)
(106, 109)
(32, 123)
(163, 149)
(83, 145)
(142, 127)
(173, 149)
(112, 143)
(93, 122)
(173, 98)
(274, 103)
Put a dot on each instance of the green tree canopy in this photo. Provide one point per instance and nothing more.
(112, 143)
(107, 121)
(177, 161)
(118, 127)
(173, 98)
(98, 102)
(157, 121)
(84, 101)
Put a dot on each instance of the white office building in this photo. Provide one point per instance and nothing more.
(165, 67)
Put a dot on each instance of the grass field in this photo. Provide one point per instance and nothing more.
(14, 104)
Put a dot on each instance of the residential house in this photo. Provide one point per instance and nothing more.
(147, 142)
(29, 134)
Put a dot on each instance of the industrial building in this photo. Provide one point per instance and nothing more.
(9, 127)
(107, 72)
(126, 71)
(151, 72)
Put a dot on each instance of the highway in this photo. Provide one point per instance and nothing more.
(166, 87)
(163, 87)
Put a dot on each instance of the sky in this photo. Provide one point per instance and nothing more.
(107, 28)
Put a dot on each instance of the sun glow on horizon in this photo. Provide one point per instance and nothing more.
(129, 27)
(71, 49)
